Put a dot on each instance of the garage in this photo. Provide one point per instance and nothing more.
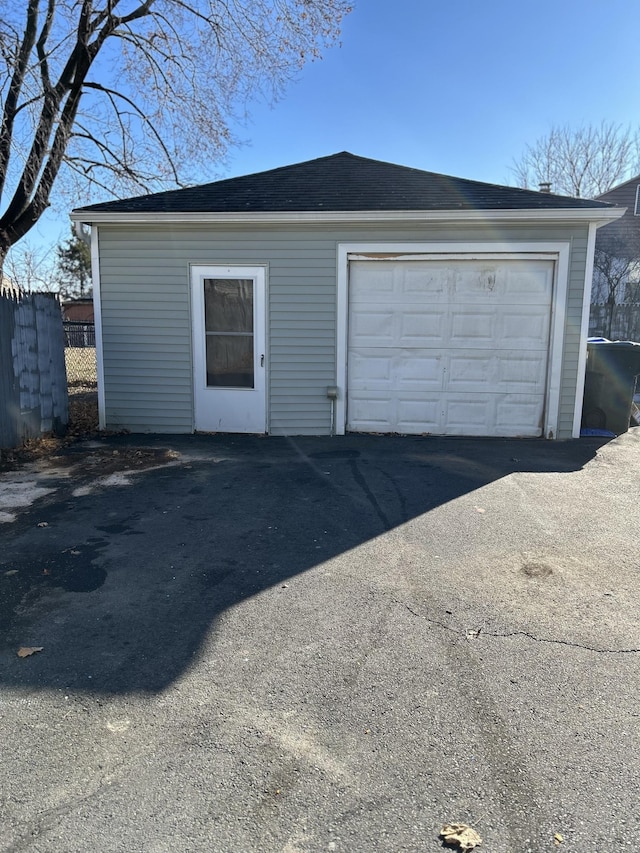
(449, 345)
(376, 297)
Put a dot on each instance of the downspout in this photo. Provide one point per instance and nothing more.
(81, 234)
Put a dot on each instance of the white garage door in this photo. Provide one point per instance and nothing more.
(449, 347)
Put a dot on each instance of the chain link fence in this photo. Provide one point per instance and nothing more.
(80, 356)
(82, 378)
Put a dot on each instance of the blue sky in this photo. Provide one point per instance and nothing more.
(457, 87)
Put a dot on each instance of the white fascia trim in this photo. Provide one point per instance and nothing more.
(97, 319)
(602, 216)
(560, 251)
(584, 331)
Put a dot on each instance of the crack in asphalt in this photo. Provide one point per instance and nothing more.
(30, 833)
(476, 632)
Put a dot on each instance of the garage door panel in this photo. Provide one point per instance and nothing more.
(371, 413)
(511, 416)
(370, 368)
(462, 414)
(454, 347)
(372, 326)
(376, 326)
(504, 328)
(426, 281)
(388, 369)
(422, 328)
(531, 284)
(471, 283)
(414, 369)
(469, 371)
(519, 415)
(380, 412)
(472, 328)
(525, 327)
(418, 416)
(371, 280)
(521, 372)
(505, 372)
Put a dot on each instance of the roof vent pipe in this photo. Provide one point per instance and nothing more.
(545, 186)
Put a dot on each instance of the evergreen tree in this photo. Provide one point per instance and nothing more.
(74, 267)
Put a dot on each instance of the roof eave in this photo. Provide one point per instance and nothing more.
(599, 216)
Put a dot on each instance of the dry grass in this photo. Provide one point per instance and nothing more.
(83, 422)
(83, 409)
(83, 414)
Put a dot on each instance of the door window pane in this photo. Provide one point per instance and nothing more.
(228, 305)
(228, 320)
(230, 361)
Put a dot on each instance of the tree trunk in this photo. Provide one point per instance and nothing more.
(610, 308)
(3, 256)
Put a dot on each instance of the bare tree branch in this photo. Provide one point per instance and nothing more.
(137, 94)
(616, 263)
(112, 94)
(15, 86)
(584, 162)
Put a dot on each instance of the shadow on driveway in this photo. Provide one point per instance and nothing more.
(121, 585)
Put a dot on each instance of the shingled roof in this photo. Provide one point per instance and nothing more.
(341, 182)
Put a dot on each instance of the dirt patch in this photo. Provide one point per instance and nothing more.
(100, 461)
(77, 471)
(83, 423)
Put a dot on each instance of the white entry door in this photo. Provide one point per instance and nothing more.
(228, 309)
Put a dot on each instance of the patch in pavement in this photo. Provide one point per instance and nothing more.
(537, 569)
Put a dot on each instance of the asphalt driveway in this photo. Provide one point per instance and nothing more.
(320, 644)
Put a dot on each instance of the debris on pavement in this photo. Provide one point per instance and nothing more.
(460, 835)
(27, 651)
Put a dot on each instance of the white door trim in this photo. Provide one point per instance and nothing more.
(557, 251)
(250, 418)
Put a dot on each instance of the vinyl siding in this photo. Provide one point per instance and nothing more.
(144, 273)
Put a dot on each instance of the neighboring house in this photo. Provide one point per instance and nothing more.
(615, 293)
(78, 318)
(344, 294)
(8, 287)
(78, 310)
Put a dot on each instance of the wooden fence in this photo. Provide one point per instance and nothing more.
(616, 322)
(33, 380)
